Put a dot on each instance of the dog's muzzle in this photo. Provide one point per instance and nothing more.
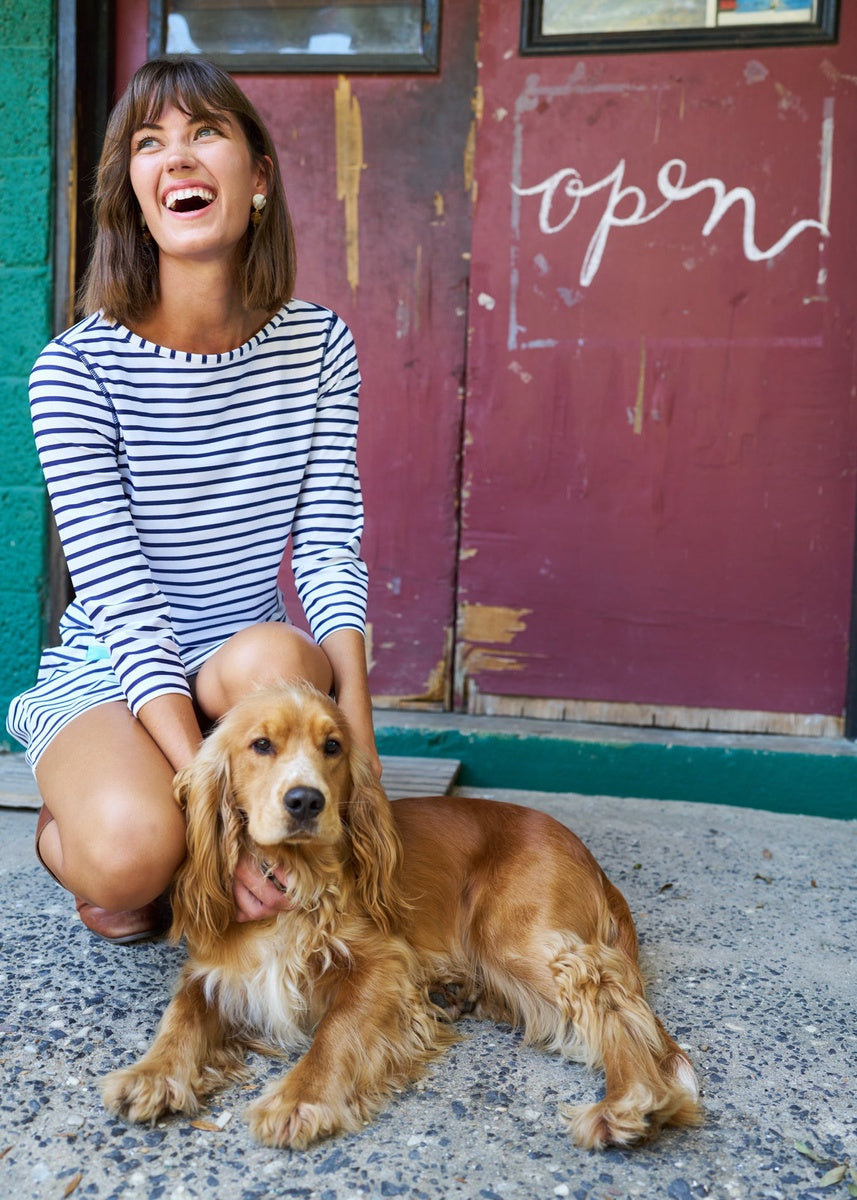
(303, 804)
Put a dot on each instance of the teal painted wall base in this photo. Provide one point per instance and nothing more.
(820, 782)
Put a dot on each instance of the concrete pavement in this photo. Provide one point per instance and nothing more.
(748, 927)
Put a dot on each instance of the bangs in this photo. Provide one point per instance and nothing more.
(193, 87)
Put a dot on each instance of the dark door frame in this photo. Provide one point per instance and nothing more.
(84, 94)
(851, 685)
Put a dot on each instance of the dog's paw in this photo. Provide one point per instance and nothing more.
(144, 1093)
(596, 1126)
(453, 999)
(276, 1120)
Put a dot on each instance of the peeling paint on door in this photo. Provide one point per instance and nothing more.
(349, 165)
(490, 623)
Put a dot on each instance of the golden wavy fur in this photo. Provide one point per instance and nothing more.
(403, 916)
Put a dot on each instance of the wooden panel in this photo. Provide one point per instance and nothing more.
(655, 716)
(659, 468)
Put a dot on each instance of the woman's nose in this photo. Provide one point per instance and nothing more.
(179, 155)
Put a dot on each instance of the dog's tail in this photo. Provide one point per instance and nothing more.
(649, 1079)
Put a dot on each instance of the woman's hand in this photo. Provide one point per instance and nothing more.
(256, 895)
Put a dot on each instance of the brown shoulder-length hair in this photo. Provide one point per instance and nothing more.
(122, 277)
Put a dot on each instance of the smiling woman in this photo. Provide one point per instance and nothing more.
(122, 275)
(194, 420)
(194, 178)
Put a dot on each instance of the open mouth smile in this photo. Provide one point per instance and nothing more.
(185, 200)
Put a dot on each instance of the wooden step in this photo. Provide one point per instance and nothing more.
(418, 776)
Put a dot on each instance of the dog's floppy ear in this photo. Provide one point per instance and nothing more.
(202, 899)
(375, 846)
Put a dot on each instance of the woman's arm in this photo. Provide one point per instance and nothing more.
(79, 444)
(346, 651)
(330, 576)
(171, 722)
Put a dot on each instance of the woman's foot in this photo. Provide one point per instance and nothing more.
(129, 925)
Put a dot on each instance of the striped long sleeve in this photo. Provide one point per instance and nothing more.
(176, 480)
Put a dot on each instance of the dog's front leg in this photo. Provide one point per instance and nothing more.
(376, 1037)
(190, 1057)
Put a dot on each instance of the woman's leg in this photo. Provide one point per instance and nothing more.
(117, 836)
(257, 656)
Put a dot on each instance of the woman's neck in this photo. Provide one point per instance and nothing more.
(200, 312)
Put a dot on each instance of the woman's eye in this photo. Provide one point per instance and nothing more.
(207, 131)
(262, 746)
(144, 143)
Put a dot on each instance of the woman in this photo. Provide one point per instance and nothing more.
(197, 417)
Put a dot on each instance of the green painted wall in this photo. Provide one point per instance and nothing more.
(26, 289)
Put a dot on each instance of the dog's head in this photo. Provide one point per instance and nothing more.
(280, 776)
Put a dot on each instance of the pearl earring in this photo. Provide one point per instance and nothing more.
(259, 202)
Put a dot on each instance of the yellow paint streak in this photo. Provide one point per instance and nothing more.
(492, 623)
(478, 102)
(349, 165)
(478, 660)
(641, 390)
(470, 160)
(438, 206)
(436, 682)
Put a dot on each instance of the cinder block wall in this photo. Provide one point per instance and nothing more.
(26, 286)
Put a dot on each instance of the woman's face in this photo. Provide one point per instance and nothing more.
(195, 180)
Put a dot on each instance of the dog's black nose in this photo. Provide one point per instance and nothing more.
(303, 802)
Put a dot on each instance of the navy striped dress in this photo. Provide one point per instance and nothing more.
(176, 480)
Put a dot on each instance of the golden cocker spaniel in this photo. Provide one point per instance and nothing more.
(404, 915)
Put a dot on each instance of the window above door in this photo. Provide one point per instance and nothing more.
(311, 35)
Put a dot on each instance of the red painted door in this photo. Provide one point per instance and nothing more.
(658, 482)
(655, 476)
(378, 172)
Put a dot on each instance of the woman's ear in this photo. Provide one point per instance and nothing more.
(375, 846)
(264, 174)
(202, 898)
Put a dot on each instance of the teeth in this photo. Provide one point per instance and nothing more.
(188, 194)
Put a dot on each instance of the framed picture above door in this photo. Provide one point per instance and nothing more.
(595, 27)
(274, 36)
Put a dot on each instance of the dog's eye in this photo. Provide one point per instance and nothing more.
(262, 746)
(332, 747)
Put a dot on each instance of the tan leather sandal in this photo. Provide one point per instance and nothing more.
(125, 926)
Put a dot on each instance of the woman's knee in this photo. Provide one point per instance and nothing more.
(130, 858)
(258, 656)
(118, 836)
